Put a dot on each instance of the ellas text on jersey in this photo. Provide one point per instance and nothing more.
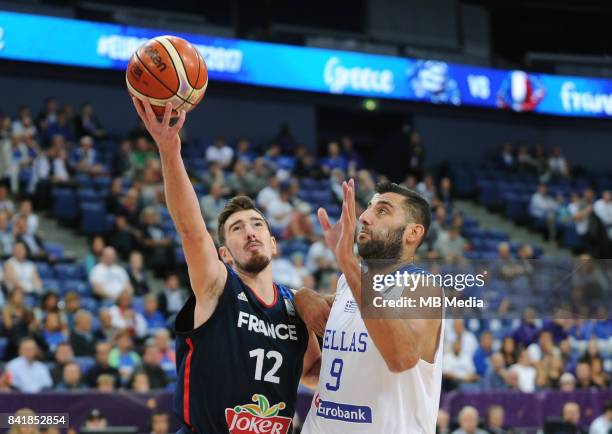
(345, 342)
(274, 331)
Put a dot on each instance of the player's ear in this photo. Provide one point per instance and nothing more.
(225, 255)
(273, 244)
(414, 233)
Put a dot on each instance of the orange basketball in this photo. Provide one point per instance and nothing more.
(167, 68)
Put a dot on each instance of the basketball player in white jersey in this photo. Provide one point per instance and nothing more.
(379, 376)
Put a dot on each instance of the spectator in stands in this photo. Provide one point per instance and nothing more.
(257, 177)
(71, 378)
(101, 366)
(6, 204)
(172, 298)
(495, 420)
(468, 422)
(96, 420)
(61, 128)
(139, 382)
(583, 377)
(105, 384)
(571, 416)
(154, 318)
(35, 246)
(457, 367)
(6, 235)
(243, 152)
(602, 208)
(366, 188)
(143, 153)
(121, 162)
(137, 274)
(543, 208)
(352, 156)
(105, 330)
(280, 211)
(547, 360)
(158, 248)
(49, 302)
(336, 179)
(21, 273)
(284, 272)
(603, 423)
(17, 319)
(567, 382)
(333, 159)
(482, 354)
(496, 376)
(450, 245)
(212, 204)
(107, 278)
(527, 332)
(124, 317)
(94, 255)
(84, 158)
(213, 174)
(150, 186)
(599, 377)
(445, 194)
(427, 188)
(220, 153)
(306, 166)
(123, 357)
(23, 123)
(53, 332)
(557, 163)
(48, 115)
(166, 348)
(87, 124)
(237, 182)
(300, 226)
(580, 212)
(7, 166)
(151, 365)
(24, 428)
(31, 219)
(160, 422)
(443, 422)
(63, 355)
(27, 374)
(457, 331)
(82, 339)
(506, 157)
(526, 373)
(320, 260)
(416, 159)
(268, 194)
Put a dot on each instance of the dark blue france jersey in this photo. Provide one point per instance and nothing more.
(238, 373)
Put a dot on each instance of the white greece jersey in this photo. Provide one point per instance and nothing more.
(357, 393)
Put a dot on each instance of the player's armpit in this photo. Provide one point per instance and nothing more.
(312, 362)
(207, 274)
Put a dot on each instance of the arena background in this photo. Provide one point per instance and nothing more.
(452, 127)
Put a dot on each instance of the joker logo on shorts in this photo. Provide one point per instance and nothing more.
(258, 418)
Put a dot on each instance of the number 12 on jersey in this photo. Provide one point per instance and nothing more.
(335, 371)
(270, 375)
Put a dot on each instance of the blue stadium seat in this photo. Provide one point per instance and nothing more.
(55, 250)
(51, 285)
(571, 238)
(81, 287)
(286, 163)
(44, 270)
(93, 221)
(83, 180)
(88, 195)
(138, 304)
(65, 208)
(102, 183)
(92, 305)
(85, 363)
(309, 184)
(3, 345)
(69, 271)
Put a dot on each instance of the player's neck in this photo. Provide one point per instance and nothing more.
(260, 283)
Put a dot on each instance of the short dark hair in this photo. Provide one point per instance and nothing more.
(416, 207)
(235, 204)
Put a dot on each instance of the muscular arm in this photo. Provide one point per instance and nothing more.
(207, 273)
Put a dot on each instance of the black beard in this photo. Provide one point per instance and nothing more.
(254, 265)
(389, 248)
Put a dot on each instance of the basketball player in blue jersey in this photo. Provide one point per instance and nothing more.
(241, 347)
(379, 375)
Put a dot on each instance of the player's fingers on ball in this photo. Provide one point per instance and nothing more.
(149, 111)
(179, 123)
(167, 113)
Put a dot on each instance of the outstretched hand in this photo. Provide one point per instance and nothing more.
(340, 236)
(166, 137)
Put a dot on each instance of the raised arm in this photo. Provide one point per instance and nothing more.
(206, 272)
